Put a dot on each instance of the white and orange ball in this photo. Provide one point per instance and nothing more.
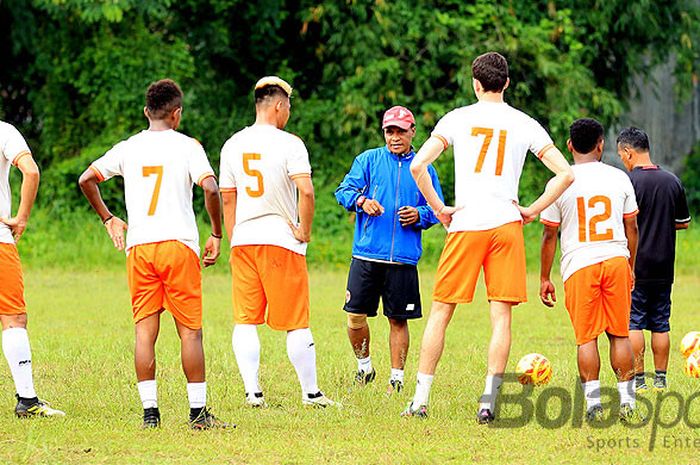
(534, 369)
(692, 365)
(690, 343)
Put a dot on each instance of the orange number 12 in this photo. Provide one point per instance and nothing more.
(595, 236)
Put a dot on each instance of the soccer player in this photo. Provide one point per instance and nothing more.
(13, 313)
(159, 167)
(663, 210)
(391, 215)
(490, 140)
(597, 218)
(262, 168)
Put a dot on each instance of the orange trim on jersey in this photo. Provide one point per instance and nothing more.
(225, 190)
(300, 175)
(549, 223)
(544, 150)
(205, 176)
(100, 178)
(631, 215)
(20, 156)
(445, 144)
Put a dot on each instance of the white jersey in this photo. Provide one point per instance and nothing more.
(159, 169)
(260, 162)
(590, 213)
(490, 143)
(12, 148)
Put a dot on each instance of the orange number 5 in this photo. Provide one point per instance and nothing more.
(158, 171)
(488, 135)
(595, 236)
(260, 189)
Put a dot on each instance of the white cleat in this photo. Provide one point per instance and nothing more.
(255, 400)
(318, 400)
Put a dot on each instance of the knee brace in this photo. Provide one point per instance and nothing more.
(356, 321)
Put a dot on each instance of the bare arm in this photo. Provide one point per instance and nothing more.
(563, 177)
(306, 209)
(428, 153)
(229, 197)
(30, 187)
(115, 226)
(682, 226)
(549, 247)
(631, 233)
(212, 202)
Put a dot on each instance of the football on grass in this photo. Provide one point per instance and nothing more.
(692, 365)
(690, 343)
(534, 369)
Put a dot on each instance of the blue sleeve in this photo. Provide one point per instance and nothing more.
(353, 186)
(427, 216)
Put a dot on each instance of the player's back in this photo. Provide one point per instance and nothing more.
(12, 148)
(261, 162)
(159, 169)
(490, 143)
(591, 214)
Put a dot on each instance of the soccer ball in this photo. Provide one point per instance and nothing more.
(690, 343)
(692, 365)
(534, 369)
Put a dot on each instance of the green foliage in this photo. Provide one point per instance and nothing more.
(691, 179)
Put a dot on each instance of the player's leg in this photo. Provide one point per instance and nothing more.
(660, 331)
(499, 349)
(638, 323)
(15, 339)
(146, 333)
(249, 304)
(661, 347)
(622, 362)
(399, 339)
(588, 360)
(365, 281)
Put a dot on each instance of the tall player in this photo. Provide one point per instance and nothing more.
(491, 140)
(262, 168)
(159, 167)
(13, 313)
(597, 218)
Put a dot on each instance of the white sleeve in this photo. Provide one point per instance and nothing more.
(630, 207)
(539, 138)
(13, 145)
(227, 178)
(298, 160)
(199, 166)
(111, 163)
(443, 130)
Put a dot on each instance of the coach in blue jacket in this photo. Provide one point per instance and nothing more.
(391, 214)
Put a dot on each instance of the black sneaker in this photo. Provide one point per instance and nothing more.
(35, 408)
(151, 418)
(421, 412)
(660, 383)
(484, 417)
(206, 420)
(364, 377)
(395, 386)
(594, 414)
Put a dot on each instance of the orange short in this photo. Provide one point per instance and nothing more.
(165, 275)
(598, 298)
(267, 276)
(11, 282)
(501, 252)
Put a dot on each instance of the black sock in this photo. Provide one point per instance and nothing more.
(639, 376)
(29, 400)
(195, 412)
(660, 373)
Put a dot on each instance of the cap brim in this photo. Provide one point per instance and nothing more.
(397, 123)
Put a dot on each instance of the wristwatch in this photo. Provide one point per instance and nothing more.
(360, 200)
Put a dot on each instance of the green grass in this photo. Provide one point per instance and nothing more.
(82, 340)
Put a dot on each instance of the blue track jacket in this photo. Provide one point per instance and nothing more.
(381, 175)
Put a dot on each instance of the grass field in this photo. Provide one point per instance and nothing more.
(82, 339)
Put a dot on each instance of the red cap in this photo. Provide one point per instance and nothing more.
(398, 116)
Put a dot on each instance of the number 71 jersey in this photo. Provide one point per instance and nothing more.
(159, 170)
(591, 215)
(260, 163)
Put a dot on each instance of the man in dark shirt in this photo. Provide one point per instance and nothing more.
(663, 209)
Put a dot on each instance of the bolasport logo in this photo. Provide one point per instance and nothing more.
(555, 407)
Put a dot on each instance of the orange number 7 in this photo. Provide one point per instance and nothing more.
(488, 135)
(158, 171)
(260, 189)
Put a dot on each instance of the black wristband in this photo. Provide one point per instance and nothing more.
(215, 236)
(107, 219)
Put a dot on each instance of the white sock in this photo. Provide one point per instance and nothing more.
(15, 346)
(627, 395)
(302, 353)
(591, 390)
(364, 364)
(396, 375)
(246, 347)
(488, 398)
(197, 394)
(148, 391)
(422, 390)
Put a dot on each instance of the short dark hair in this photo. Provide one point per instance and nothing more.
(162, 97)
(634, 138)
(491, 70)
(268, 92)
(585, 133)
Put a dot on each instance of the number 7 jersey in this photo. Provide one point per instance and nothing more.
(159, 169)
(591, 215)
(260, 163)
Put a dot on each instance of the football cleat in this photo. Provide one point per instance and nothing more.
(151, 418)
(420, 412)
(365, 377)
(594, 414)
(395, 386)
(660, 383)
(255, 399)
(38, 408)
(484, 417)
(206, 420)
(628, 414)
(318, 400)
